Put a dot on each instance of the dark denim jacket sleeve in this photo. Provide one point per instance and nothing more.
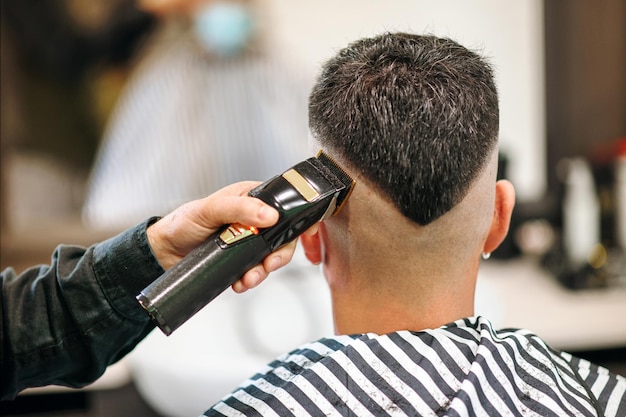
(64, 323)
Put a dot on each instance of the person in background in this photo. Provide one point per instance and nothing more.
(64, 323)
(208, 104)
(414, 119)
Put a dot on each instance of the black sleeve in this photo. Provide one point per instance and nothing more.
(64, 323)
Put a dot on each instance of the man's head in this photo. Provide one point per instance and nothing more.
(415, 120)
(416, 115)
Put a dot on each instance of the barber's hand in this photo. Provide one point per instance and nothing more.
(175, 235)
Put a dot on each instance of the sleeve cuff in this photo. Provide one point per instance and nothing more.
(124, 265)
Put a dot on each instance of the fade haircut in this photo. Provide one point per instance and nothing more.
(415, 115)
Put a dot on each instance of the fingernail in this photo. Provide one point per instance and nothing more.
(255, 279)
(275, 263)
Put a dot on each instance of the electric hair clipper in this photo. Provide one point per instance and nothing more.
(311, 191)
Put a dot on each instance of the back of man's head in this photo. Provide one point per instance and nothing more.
(417, 116)
(415, 120)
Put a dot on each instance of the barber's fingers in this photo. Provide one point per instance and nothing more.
(232, 204)
(179, 232)
(271, 263)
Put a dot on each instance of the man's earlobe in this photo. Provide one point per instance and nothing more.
(504, 204)
(312, 246)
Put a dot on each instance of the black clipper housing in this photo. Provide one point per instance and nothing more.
(311, 191)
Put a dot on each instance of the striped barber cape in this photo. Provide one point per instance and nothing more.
(466, 368)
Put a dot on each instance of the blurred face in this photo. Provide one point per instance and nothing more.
(223, 28)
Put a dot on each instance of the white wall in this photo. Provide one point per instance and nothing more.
(509, 33)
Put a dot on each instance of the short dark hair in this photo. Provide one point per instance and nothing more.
(415, 115)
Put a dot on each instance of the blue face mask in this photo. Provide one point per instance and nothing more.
(223, 28)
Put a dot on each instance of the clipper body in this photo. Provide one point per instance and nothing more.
(309, 192)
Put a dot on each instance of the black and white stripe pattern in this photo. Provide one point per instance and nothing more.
(464, 369)
(188, 124)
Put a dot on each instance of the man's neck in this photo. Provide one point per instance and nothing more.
(366, 309)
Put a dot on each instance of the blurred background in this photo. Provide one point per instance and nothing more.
(114, 110)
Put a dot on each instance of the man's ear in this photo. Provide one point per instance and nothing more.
(312, 245)
(503, 209)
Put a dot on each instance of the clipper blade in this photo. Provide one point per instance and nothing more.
(346, 180)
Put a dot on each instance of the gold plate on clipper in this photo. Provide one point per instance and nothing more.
(236, 232)
(301, 184)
